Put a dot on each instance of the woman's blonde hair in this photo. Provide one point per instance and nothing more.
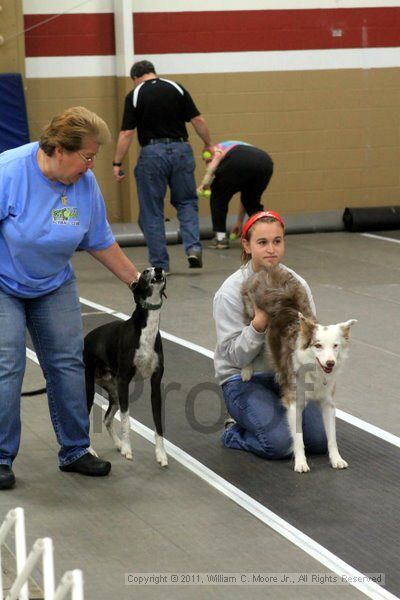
(70, 128)
(246, 256)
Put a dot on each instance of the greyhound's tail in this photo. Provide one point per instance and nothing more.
(35, 392)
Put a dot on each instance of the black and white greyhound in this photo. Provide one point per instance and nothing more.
(114, 353)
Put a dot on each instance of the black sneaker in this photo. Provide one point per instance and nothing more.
(7, 477)
(88, 465)
(195, 259)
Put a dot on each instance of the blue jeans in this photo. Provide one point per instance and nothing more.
(160, 165)
(55, 324)
(261, 421)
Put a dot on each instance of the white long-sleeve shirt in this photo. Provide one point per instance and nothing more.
(238, 343)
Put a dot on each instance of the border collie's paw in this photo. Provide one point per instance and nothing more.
(246, 373)
(337, 462)
(301, 467)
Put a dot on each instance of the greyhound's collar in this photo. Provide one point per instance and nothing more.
(149, 306)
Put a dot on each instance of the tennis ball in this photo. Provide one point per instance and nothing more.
(207, 155)
(233, 236)
(207, 193)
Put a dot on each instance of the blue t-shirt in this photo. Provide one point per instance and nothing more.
(43, 222)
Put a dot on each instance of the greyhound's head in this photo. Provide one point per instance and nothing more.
(149, 290)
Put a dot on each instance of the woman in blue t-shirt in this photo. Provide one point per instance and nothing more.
(50, 206)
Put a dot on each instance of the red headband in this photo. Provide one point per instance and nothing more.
(261, 215)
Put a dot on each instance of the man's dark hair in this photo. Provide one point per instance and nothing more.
(142, 67)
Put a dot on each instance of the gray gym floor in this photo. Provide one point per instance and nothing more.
(143, 519)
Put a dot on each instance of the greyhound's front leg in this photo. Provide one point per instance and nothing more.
(109, 420)
(123, 397)
(295, 418)
(156, 404)
(329, 419)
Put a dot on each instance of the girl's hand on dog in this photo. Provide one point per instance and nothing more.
(260, 321)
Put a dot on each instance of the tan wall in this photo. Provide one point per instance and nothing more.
(333, 135)
(12, 50)
(47, 97)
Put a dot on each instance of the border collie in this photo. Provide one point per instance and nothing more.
(297, 345)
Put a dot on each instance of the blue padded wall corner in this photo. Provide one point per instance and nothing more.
(14, 129)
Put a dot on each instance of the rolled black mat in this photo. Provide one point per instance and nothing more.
(371, 218)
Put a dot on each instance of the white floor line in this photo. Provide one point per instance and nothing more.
(372, 429)
(356, 421)
(258, 510)
(99, 307)
(380, 237)
(261, 512)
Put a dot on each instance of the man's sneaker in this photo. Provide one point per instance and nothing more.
(217, 244)
(194, 259)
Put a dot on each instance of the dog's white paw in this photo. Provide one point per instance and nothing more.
(246, 373)
(126, 452)
(162, 458)
(93, 452)
(301, 466)
(337, 462)
(161, 455)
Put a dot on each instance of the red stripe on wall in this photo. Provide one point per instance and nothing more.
(261, 30)
(70, 35)
(220, 31)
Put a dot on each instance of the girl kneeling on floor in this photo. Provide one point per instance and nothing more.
(259, 420)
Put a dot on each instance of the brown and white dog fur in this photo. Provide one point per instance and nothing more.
(298, 346)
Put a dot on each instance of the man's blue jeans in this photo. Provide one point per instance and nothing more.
(261, 421)
(55, 324)
(161, 165)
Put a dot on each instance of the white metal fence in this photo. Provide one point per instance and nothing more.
(71, 583)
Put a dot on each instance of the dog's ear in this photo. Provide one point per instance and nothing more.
(345, 327)
(133, 284)
(307, 328)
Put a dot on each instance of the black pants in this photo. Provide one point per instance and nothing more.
(244, 169)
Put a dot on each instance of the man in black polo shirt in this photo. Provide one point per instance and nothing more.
(158, 109)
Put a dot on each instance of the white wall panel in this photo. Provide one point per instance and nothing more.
(45, 7)
(211, 5)
(223, 62)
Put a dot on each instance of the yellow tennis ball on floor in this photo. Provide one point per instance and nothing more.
(206, 155)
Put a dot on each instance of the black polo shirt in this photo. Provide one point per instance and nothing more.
(158, 108)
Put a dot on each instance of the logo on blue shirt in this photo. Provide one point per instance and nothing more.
(67, 215)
